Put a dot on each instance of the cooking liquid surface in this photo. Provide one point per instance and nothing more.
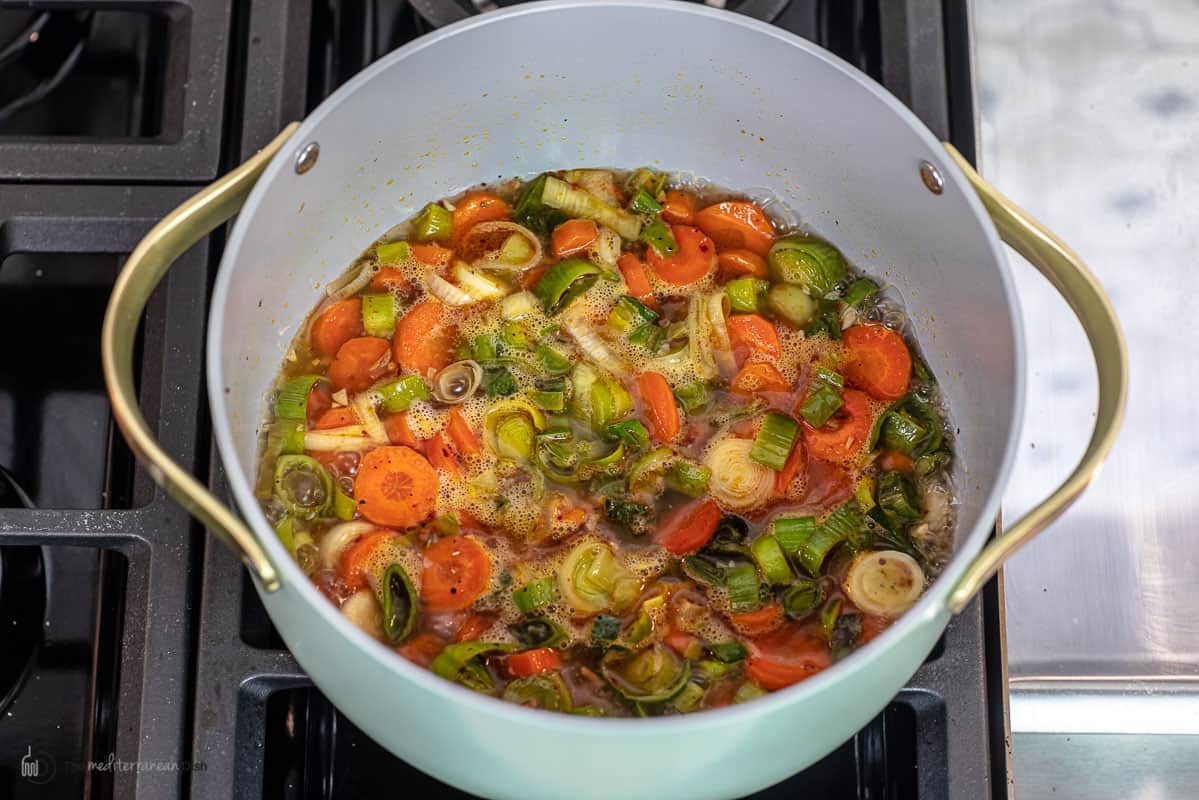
(529, 525)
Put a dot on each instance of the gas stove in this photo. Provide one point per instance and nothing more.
(135, 658)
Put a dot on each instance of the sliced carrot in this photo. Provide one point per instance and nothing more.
(423, 341)
(689, 528)
(737, 224)
(758, 623)
(356, 558)
(474, 627)
(399, 431)
(759, 376)
(694, 260)
(440, 453)
(635, 278)
(660, 405)
(678, 208)
(432, 254)
(456, 573)
(395, 486)
(795, 463)
(320, 398)
(895, 461)
(422, 648)
(336, 418)
(752, 334)
(389, 279)
(336, 325)
(736, 262)
(877, 362)
(573, 236)
(478, 207)
(531, 276)
(461, 434)
(468, 520)
(786, 656)
(681, 642)
(872, 626)
(846, 433)
(360, 362)
(533, 662)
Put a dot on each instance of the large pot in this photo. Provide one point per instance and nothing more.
(621, 83)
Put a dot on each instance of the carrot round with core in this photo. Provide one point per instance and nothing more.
(843, 435)
(478, 207)
(736, 224)
(356, 558)
(786, 656)
(752, 334)
(423, 341)
(759, 376)
(758, 623)
(461, 434)
(399, 431)
(741, 262)
(573, 236)
(533, 662)
(694, 260)
(456, 573)
(690, 527)
(335, 325)
(360, 362)
(678, 208)
(877, 361)
(396, 486)
(661, 409)
(635, 278)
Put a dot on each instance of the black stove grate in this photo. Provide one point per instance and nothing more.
(137, 638)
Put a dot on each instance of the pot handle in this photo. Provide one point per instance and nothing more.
(145, 267)
(1070, 276)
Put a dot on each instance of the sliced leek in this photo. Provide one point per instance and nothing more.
(738, 482)
(884, 582)
(579, 203)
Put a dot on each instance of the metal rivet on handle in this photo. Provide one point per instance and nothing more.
(306, 158)
(932, 177)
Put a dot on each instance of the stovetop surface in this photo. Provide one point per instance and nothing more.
(135, 659)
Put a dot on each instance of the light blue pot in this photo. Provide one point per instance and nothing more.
(678, 87)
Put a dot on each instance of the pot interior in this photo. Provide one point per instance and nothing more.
(505, 96)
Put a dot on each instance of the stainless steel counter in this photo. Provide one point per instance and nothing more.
(1090, 119)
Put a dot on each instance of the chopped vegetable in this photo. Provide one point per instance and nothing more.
(802, 599)
(644, 203)
(817, 266)
(774, 441)
(770, 559)
(629, 431)
(694, 259)
(689, 478)
(433, 224)
(401, 606)
(335, 325)
(759, 376)
(877, 361)
(820, 405)
(535, 595)
(678, 208)
(605, 629)
(693, 396)
(423, 342)
(303, 486)
(738, 481)
(292, 400)
(652, 675)
(751, 334)
(400, 394)
(742, 584)
(792, 304)
(839, 526)
(564, 282)
(538, 632)
(737, 225)
(846, 433)
(360, 362)
(544, 690)
(457, 571)
(660, 407)
(786, 657)
(884, 583)
(475, 208)
(745, 294)
(689, 528)
(898, 499)
(578, 203)
(793, 532)
(858, 291)
(657, 234)
(392, 252)
(591, 579)
(629, 313)
(395, 486)
(574, 236)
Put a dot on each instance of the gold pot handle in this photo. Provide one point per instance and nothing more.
(153, 256)
(1070, 276)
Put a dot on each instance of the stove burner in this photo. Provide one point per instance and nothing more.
(439, 13)
(22, 609)
(48, 48)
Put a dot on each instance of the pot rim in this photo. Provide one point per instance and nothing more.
(931, 606)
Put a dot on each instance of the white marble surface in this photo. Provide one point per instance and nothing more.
(1090, 120)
